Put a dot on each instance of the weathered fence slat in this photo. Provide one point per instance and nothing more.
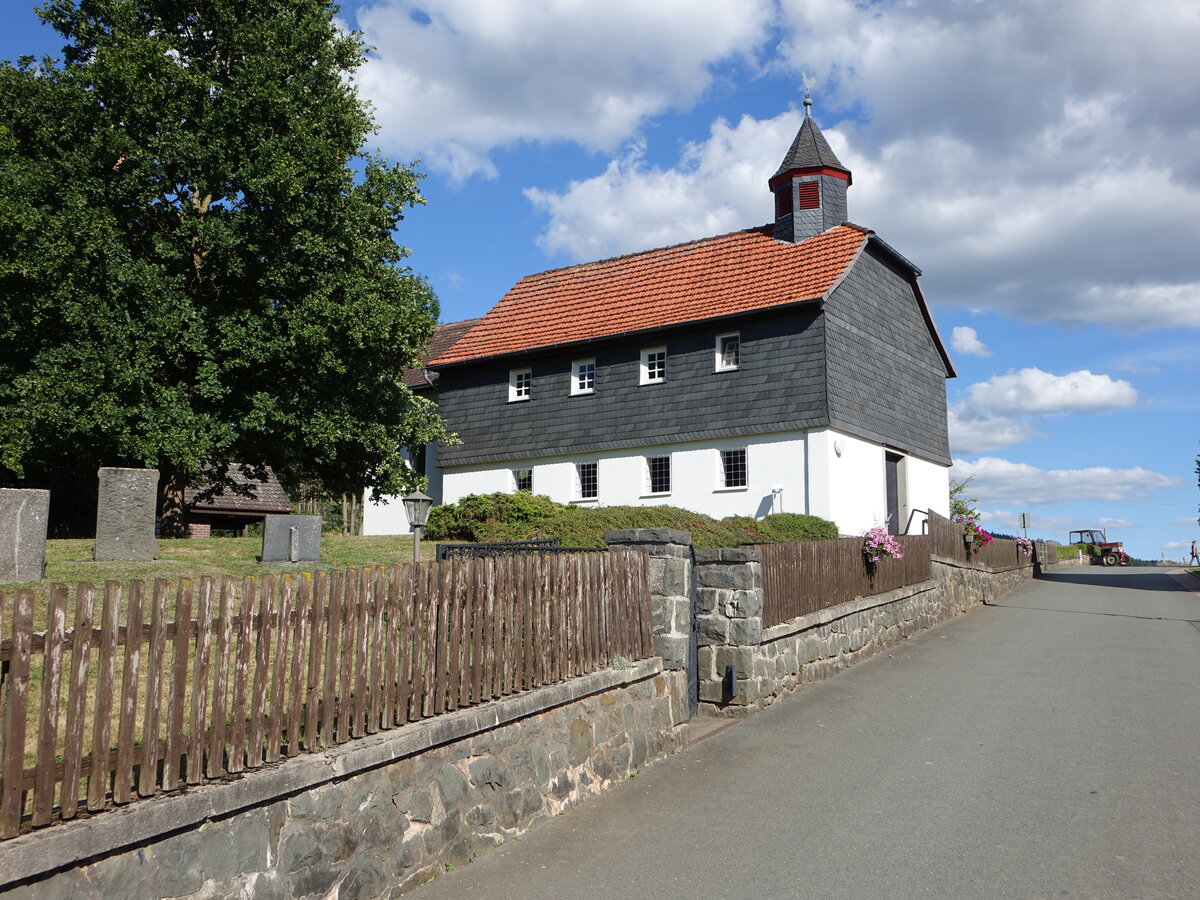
(15, 714)
(177, 689)
(199, 686)
(148, 770)
(98, 767)
(333, 639)
(298, 680)
(262, 636)
(241, 675)
(279, 670)
(316, 656)
(81, 648)
(130, 673)
(217, 765)
(52, 659)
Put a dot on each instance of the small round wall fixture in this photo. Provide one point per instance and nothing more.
(839, 446)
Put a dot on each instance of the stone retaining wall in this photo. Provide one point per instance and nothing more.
(375, 816)
(817, 646)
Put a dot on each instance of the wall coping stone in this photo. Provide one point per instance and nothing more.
(849, 608)
(62, 845)
(648, 536)
(729, 555)
(958, 564)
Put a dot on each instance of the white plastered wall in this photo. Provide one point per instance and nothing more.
(772, 461)
(850, 487)
(387, 516)
(846, 481)
(928, 488)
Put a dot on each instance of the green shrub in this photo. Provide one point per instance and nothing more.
(523, 516)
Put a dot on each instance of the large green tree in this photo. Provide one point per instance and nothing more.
(197, 260)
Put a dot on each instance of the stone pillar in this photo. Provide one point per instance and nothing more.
(23, 517)
(729, 609)
(291, 539)
(670, 586)
(125, 511)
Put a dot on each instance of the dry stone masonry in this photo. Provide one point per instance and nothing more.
(375, 817)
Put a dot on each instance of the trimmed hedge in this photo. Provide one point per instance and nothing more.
(524, 516)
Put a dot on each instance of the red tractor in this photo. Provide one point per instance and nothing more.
(1110, 553)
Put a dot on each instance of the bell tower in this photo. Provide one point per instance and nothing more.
(809, 186)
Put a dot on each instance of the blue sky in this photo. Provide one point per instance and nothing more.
(1040, 162)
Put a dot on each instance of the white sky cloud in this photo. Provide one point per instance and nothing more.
(1030, 391)
(972, 432)
(452, 81)
(999, 481)
(965, 339)
(997, 413)
(633, 205)
(1025, 159)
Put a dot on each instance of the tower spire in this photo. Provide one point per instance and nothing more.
(810, 184)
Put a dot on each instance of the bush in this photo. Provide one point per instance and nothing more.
(523, 516)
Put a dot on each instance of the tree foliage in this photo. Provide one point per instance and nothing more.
(196, 251)
(962, 506)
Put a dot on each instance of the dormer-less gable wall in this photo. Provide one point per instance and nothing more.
(779, 385)
(887, 379)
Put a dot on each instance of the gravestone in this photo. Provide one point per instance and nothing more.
(291, 539)
(23, 516)
(125, 515)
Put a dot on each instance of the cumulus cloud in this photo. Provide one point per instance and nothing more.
(454, 80)
(998, 413)
(972, 431)
(1121, 524)
(1031, 391)
(1028, 164)
(999, 481)
(1028, 160)
(633, 205)
(965, 339)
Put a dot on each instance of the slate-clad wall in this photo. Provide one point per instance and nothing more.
(887, 380)
(780, 386)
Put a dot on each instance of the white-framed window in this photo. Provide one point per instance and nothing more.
(728, 351)
(520, 384)
(733, 472)
(658, 474)
(654, 366)
(587, 481)
(583, 376)
(523, 479)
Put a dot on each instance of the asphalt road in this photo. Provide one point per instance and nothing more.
(1048, 746)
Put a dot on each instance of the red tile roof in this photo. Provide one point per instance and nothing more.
(704, 279)
(447, 334)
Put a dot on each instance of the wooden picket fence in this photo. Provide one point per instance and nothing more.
(948, 543)
(229, 675)
(802, 578)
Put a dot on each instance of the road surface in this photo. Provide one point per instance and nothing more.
(1046, 746)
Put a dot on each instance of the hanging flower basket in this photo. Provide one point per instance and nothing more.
(877, 545)
(974, 537)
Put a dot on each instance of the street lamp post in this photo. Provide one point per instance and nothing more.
(416, 507)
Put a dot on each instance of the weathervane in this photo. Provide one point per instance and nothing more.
(808, 86)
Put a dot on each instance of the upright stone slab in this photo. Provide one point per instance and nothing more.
(125, 515)
(23, 516)
(291, 539)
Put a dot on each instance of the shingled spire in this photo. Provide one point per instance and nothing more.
(810, 185)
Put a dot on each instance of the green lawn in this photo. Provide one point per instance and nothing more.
(70, 561)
